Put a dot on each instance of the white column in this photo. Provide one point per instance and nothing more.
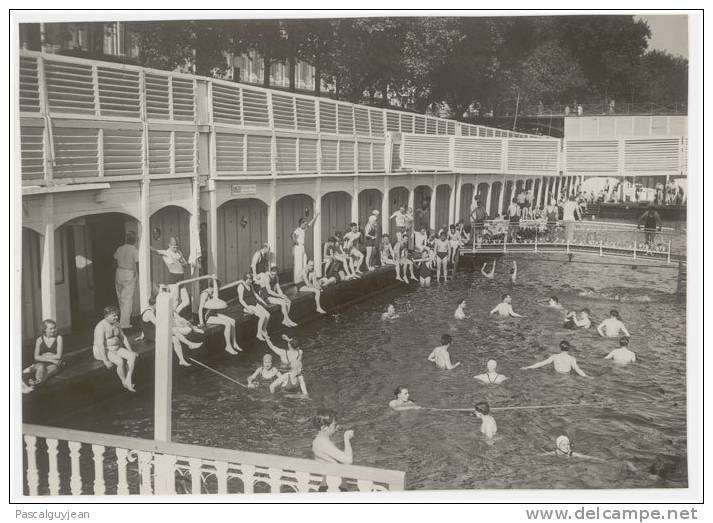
(432, 212)
(47, 275)
(317, 227)
(488, 198)
(163, 372)
(272, 222)
(501, 198)
(144, 245)
(355, 201)
(385, 222)
(454, 201)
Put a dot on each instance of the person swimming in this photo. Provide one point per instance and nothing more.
(488, 426)
(612, 327)
(390, 314)
(554, 303)
(504, 308)
(460, 314)
(572, 322)
(563, 449)
(490, 275)
(293, 378)
(513, 272)
(491, 377)
(266, 374)
(622, 355)
(440, 355)
(563, 362)
(403, 401)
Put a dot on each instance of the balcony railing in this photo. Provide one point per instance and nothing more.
(71, 462)
(597, 109)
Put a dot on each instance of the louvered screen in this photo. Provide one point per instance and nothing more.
(226, 104)
(306, 117)
(532, 156)
(70, 87)
(255, 108)
(407, 123)
(185, 151)
(327, 117)
(377, 153)
(345, 119)
(159, 152)
(431, 126)
(286, 155)
(329, 155)
(376, 118)
(308, 155)
(122, 152)
(157, 99)
(364, 156)
(183, 99)
(29, 85)
(396, 157)
(595, 156)
(229, 154)
(425, 152)
(442, 127)
(32, 161)
(283, 111)
(451, 128)
(478, 154)
(258, 154)
(119, 92)
(75, 152)
(684, 156)
(419, 125)
(361, 121)
(346, 156)
(392, 122)
(651, 155)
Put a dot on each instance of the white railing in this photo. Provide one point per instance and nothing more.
(63, 461)
(85, 119)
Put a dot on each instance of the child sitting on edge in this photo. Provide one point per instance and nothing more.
(488, 427)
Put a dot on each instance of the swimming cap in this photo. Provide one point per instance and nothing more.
(561, 440)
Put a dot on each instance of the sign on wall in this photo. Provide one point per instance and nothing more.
(236, 189)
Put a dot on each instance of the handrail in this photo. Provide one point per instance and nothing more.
(390, 477)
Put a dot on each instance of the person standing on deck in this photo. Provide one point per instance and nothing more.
(126, 259)
(261, 260)
(651, 220)
(370, 232)
(298, 249)
(175, 263)
(570, 213)
(400, 216)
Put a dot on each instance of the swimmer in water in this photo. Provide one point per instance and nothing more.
(293, 378)
(402, 401)
(322, 446)
(390, 314)
(460, 314)
(563, 449)
(265, 374)
(554, 303)
(613, 327)
(513, 272)
(504, 308)
(440, 355)
(491, 377)
(622, 355)
(572, 322)
(490, 275)
(488, 426)
(563, 362)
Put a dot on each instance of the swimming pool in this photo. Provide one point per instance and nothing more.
(353, 361)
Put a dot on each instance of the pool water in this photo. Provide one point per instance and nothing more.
(353, 361)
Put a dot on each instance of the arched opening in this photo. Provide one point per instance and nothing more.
(481, 193)
(336, 213)
(369, 201)
(496, 188)
(508, 196)
(85, 274)
(466, 201)
(242, 229)
(289, 211)
(30, 294)
(421, 207)
(398, 197)
(443, 195)
(528, 185)
(169, 222)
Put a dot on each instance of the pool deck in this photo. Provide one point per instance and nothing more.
(84, 381)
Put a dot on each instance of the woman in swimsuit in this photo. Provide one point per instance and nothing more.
(552, 213)
(339, 255)
(310, 283)
(209, 304)
(454, 241)
(442, 247)
(48, 354)
(491, 377)
(293, 378)
(386, 254)
(253, 304)
(425, 267)
(402, 256)
(181, 328)
(370, 240)
(264, 375)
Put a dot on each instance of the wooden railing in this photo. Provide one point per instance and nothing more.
(63, 461)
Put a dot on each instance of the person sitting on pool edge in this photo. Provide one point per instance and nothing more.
(402, 401)
(563, 362)
(265, 374)
(323, 448)
(491, 377)
(612, 327)
(563, 449)
(572, 322)
(111, 346)
(622, 355)
(488, 427)
(504, 308)
(440, 355)
(253, 304)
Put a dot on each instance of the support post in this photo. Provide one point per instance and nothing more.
(355, 201)
(500, 198)
(385, 222)
(213, 228)
(488, 198)
(272, 222)
(144, 245)
(432, 206)
(317, 227)
(163, 372)
(454, 203)
(47, 274)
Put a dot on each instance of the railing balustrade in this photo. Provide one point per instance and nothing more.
(70, 462)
